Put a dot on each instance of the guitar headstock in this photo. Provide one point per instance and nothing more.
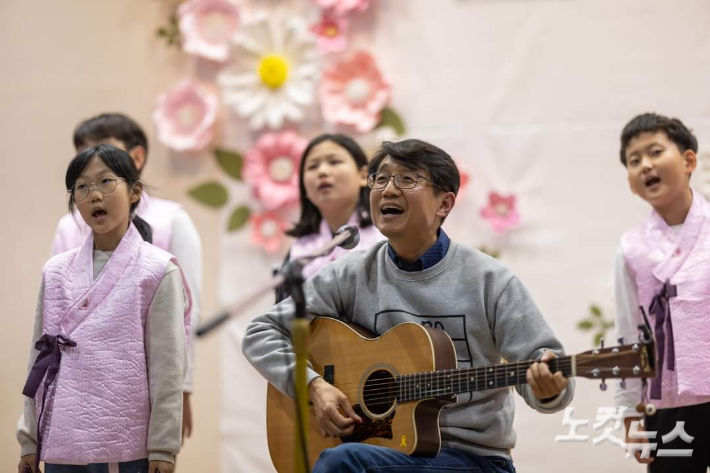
(635, 360)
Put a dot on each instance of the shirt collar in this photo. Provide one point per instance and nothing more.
(431, 257)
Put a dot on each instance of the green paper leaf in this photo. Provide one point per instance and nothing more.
(231, 162)
(239, 217)
(212, 194)
(390, 118)
(595, 310)
(585, 325)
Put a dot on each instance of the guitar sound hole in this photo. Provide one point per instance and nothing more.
(379, 392)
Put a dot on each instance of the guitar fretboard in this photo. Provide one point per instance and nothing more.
(411, 387)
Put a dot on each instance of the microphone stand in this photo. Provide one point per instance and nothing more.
(293, 280)
(292, 277)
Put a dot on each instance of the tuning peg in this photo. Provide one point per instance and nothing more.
(621, 340)
(602, 386)
(622, 383)
(649, 409)
(601, 343)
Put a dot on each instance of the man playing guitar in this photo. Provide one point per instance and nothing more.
(419, 275)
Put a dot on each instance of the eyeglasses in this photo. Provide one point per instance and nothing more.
(106, 185)
(380, 180)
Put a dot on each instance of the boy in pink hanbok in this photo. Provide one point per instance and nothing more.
(663, 270)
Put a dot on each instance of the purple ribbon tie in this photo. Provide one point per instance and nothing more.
(661, 309)
(47, 362)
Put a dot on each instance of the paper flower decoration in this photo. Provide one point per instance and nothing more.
(354, 93)
(267, 231)
(464, 179)
(342, 7)
(331, 33)
(274, 73)
(185, 116)
(271, 168)
(206, 27)
(500, 212)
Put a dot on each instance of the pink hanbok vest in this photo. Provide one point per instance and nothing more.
(678, 268)
(307, 245)
(98, 408)
(72, 231)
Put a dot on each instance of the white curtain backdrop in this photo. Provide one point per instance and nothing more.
(530, 98)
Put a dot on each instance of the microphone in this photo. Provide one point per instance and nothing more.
(353, 238)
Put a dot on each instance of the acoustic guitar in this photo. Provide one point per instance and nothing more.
(400, 399)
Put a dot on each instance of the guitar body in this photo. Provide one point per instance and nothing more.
(362, 367)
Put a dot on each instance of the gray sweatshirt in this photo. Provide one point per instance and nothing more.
(483, 307)
(166, 354)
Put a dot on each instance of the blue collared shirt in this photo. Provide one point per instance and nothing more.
(432, 256)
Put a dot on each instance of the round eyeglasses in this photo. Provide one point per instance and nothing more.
(380, 180)
(106, 185)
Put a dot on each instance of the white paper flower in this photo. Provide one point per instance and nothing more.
(274, 72)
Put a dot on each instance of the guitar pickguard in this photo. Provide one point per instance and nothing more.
(370, 428)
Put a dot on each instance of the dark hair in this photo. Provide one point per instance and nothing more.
(415, 155)
(122, 165)
(111, 125)
(310, 215)
(676, 131)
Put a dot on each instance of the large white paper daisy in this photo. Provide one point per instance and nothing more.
(274, 72)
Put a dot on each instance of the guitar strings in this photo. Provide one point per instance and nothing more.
(442, 376)
(392, 384)
(463, 373)
(390, 398)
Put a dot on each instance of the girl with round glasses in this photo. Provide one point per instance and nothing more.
(109, 314)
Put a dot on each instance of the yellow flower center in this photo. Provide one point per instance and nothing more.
(331, 31)
(502, 209)
(281, 169)
(187, 116)
(268, 228)
(273, 70)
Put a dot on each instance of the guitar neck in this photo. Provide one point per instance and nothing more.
(415, 386)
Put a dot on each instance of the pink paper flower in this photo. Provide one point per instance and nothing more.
(354, 93)
(207, 26)
(267, 231)
(464, 178)
(185, 116)
(501, 212)
(271, 168)
(331, 33)
(342, 7)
